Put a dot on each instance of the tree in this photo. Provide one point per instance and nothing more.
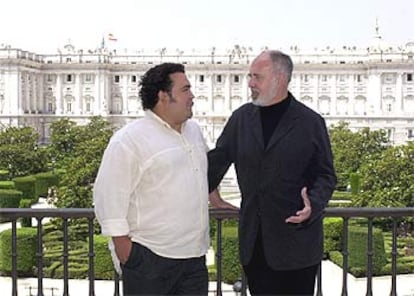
(351, 149)
(389, 179)
(63, 139)
(20, 153)
(81, 160)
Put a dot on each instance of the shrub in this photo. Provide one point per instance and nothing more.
(9, 198)
(231, 269)
(25, 221)
(355, 182)
(44, 181)
(332, 234)
(7, 185)
(104, 268)
(4, 175)
(358, 238)
(27, 185)
(341, 195)
(26, 250)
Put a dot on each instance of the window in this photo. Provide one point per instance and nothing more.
(49, 78)
(133, 78)
(305, 78)
(324, 78)
(201, 78)
(389, 78)
(236, 78)
(68, 60)
(88, 77)
(389, 107)
(49, 107)
(219, 78)
(409, 77)
(88, 107)
(116, 79)
(69, 107)
(69, 78)
(358, 78)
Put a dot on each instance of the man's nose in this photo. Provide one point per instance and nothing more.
(251, 82)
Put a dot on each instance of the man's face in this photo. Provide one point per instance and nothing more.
(180, 99)
(263, 81)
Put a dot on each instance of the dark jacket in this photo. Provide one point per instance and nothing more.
(271, 178)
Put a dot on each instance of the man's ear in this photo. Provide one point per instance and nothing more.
(162, 96)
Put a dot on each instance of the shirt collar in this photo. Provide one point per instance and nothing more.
(150, 114)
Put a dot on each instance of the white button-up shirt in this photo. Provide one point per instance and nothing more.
(152, 186)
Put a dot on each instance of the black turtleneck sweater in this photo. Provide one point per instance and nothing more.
(271, 116)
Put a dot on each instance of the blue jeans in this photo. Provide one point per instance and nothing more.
(146, 273)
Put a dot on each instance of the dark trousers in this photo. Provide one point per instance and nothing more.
(263, 280)
(146, 273)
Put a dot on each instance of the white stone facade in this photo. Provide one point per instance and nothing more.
(371, 87)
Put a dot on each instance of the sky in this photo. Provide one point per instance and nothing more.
(43, 26)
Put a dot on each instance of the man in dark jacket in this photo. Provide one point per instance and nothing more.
(282, 155)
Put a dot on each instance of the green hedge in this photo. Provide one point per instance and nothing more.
(358, 238)
(7, 185)
(355, 182)
(44, 181)
(9, 198)
(27, 185)
(357, 250)
(341, 195)
(26, 250)
(104, 268)
(26, 221)
(231, 268)
(332, 228)
(4, 175)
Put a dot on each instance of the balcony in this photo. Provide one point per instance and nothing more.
(40, 289)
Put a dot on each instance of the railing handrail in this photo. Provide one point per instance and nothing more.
(218, 215)
(363, 212)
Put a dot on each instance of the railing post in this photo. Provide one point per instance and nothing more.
(65, 258)
(116, 279)
(39, 257)
(345, 256)
(14, 257)
(91, 258)
(394, 258)
(319, 280)
(370, 254)
(219, 256)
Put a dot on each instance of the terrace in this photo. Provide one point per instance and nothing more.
(346, 214)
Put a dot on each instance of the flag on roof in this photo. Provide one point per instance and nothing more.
(111, 37)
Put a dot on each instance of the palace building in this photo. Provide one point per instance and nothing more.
(366, 87)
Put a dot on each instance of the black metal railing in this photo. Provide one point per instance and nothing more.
(13, 214)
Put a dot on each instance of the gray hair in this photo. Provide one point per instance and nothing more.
(281, 63)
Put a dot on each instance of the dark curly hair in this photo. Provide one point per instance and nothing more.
(155, 79)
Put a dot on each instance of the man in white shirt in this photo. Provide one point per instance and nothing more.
(151, 192)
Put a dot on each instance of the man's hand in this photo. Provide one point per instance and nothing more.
(123, 246)
(303, 214)
(218, 203)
